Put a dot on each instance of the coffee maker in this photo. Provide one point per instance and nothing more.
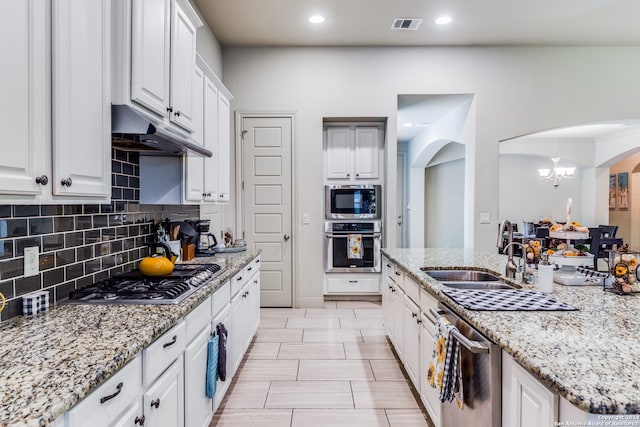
(205, 241)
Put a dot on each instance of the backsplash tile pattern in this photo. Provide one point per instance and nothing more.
(79, 244)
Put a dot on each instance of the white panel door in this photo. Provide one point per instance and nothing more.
(211, 140)
(339, 152)
(24, 89)
(150, 58)
(81, 98)
(183, 60)
(267, 203)
(224, 147)
(367, 151)
(164, 400)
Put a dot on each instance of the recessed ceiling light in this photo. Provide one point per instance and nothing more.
(443, 20)
(316, 19)
(407, 124)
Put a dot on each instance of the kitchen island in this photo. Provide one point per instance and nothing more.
(50, 362)
(589, 357)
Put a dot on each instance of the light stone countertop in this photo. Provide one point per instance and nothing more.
(50, 362)
(591, 357)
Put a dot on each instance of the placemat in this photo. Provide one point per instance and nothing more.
(506, 300)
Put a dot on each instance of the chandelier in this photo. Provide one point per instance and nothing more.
(556, 174)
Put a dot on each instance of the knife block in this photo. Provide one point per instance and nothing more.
(188, 252)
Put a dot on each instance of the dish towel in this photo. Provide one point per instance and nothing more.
(506, 300)
(222, 351)
(355, 246)
(212, 366)
(445, 370)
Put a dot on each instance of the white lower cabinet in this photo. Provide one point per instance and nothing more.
(411, 340)
(398, 311)
(354, 285)
(163, 402)
(198, 407)
(525, 401)
(428, 394)
(165, 385)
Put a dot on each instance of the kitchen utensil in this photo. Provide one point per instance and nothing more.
(175, 231)
(158, 264)
(175, 247)
(187, 233)
(188, 252)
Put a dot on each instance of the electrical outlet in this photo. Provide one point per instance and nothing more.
(31, 261)
(306, 218)
(485, 217)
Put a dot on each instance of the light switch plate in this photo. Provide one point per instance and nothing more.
(306, 218)
(31, 261)
(485, 217)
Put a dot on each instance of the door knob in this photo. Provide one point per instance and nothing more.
(287, 237)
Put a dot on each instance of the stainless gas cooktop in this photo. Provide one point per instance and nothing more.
(133, 287)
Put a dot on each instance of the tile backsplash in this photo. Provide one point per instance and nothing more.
(79, 244)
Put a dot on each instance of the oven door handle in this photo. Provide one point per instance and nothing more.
(475, 347)
(374, 235)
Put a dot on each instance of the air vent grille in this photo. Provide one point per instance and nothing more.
(406, 24)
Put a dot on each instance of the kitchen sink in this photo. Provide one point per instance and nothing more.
(478, 285)
(461, 275)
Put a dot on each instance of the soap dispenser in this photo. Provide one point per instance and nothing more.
(545, 274)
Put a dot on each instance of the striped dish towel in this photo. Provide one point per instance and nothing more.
(445, 370)
(591, 273)
(212, 366)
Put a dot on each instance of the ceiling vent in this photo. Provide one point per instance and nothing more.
(406, 24)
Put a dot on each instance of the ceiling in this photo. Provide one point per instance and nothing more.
(368, 22)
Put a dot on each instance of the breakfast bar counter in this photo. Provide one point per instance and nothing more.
(590, 357)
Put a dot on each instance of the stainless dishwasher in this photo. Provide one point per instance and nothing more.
(481, 377)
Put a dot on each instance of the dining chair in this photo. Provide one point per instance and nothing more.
(594, 245)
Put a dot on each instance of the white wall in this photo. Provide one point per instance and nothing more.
(208, 46)
(444, 205)
(516, 91)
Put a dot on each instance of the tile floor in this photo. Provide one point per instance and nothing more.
(321, 367)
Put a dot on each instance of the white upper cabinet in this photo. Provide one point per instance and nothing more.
(150, 54)
(25, 87)
(224, 147)
(194, 168)
(81, 98)
(210, 140)
(352, 152)
(154, 50)
(183, 60)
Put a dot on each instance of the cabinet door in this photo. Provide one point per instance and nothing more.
(428, 394)
(525, 401)
(81, 98)
(211, 140)
(255, 304)
(132, 417)
(198, 406)
(224, 147)
(194, 165)
(164, 400)
(24, 89)
(223, 317)
(339, 152)
(236, 331)
(150, 31)
(411, 340)
(183, 60)
(367, 149)
(398, 311)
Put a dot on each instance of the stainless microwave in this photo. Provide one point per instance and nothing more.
(353, 201)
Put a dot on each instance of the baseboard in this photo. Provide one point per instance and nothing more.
(310, 302)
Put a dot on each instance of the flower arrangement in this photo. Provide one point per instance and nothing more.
(623, 265)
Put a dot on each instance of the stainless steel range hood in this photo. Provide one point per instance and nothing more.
(135, 131)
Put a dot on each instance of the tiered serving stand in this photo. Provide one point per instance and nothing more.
(567, 274)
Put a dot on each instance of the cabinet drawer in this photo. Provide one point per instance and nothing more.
(387, 267)
(253, 266)
(358, 285)
(221, 298)
(162, 352)
(427, 301)
(108, 401)
(412, 289)
(398, 276)
(197, 320)
(239, 280)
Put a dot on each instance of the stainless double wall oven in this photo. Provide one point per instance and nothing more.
(352, 217)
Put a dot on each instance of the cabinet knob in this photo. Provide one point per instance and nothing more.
(42, 180)
(66, 182)
(357, 175)
(170, 109)
(418, 321)
(348, 175)
(139, 420)
(155, 403)
(177, 113)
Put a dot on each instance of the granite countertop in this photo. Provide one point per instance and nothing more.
(50, 362)
(591, 357)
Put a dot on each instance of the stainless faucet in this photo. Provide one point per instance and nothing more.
(511, 267)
